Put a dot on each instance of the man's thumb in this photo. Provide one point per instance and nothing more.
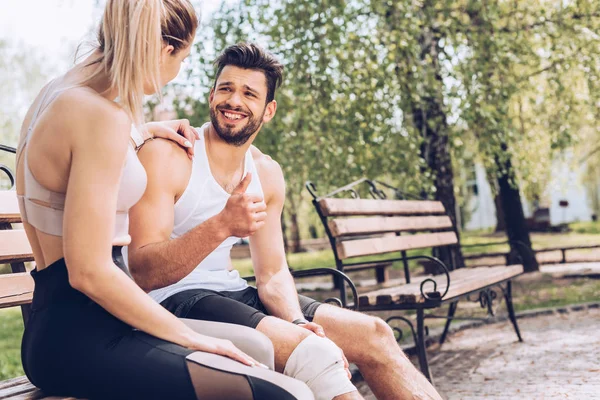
(243, 185)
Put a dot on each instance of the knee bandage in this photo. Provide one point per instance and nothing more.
(318, 362)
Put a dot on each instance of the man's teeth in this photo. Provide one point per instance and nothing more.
(232, 116)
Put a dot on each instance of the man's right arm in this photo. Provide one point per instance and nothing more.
(155, 261)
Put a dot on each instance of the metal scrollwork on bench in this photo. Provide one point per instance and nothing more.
(400, 335)
(486, 299)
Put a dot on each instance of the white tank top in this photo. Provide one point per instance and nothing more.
(202, 199)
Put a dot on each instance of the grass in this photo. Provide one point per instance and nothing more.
(11, 331)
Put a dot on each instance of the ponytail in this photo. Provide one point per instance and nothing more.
(132, 44)
(131, 36)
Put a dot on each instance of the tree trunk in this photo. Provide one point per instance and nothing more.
(500, 223)
(514, 217)
(430, 119)
(294, 228)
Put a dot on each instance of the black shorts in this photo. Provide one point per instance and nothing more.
(241, 307)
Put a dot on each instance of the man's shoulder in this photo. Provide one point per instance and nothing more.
(264, 163)
(270, 174)
(165, 160)
(163, 151)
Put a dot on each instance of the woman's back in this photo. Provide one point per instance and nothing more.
(54, 123)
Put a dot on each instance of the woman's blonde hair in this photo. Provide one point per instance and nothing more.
(131, 36)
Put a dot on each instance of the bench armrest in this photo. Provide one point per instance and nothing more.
(434, 294)
(325, 271)
(4, 168)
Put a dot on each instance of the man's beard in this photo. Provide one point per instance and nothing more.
(228, 134)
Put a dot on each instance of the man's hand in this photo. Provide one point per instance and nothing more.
(244, 214)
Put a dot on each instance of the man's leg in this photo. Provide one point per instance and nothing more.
(287, 338)
(369, 343)
(298, 352)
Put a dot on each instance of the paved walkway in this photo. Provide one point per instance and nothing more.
(559, 359)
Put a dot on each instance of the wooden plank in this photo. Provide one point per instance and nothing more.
(18, 390)
(358, 226)
(15, 289)
(339, 207)
(388, 244)
(462, 281)
(13, 382)
(14, 247)
(9, 207)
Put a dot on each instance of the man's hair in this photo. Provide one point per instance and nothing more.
(251, 56)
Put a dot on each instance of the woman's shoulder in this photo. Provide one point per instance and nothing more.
(82, 110)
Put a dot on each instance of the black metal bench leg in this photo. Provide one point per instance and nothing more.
(451, 311)
(511, 310)
(421, 345)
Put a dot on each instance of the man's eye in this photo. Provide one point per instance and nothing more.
(250, 94)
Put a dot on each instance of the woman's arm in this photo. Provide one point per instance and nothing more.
(99, 141)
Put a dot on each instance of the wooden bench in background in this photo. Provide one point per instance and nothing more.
(377, 228)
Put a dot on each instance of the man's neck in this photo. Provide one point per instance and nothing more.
(225, 158)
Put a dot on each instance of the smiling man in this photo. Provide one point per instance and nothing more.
(193, 212)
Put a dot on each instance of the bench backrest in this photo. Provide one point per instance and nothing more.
(16, 288)
(370, 219)
(377, 226)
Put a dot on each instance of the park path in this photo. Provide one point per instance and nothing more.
(559, 359)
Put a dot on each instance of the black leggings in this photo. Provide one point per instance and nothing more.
(73, 347)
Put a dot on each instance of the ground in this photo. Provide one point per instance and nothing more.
(557, 360)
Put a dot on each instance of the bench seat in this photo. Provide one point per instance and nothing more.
(20, 388)
(462, 282)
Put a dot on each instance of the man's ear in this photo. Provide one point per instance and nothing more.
(270, 111)
(211, 95)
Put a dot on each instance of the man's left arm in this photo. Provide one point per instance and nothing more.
(274, 281)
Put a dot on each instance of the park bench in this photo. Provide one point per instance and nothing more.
(378, 230)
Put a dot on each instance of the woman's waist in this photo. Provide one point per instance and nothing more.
(52, 283)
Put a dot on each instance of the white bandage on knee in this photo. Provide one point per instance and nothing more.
(318, 362)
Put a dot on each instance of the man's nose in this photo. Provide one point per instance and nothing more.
(235, 99)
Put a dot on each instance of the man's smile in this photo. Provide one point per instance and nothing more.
(232, 117)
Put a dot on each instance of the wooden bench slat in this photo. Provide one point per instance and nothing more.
(14, 247)
(338, 207)
(357, 226)
(385, 296)
(462, 281)
(388, 244)
(20, 390)
(9, 207)
(13, 382)
(15, 289)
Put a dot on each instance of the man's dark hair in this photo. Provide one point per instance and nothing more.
(251, 56)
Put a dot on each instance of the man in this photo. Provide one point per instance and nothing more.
(194, 211)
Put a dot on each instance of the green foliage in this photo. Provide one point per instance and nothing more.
(365, 80)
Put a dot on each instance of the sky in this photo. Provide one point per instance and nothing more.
(54, 28)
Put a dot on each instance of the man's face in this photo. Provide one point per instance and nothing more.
(238, 104)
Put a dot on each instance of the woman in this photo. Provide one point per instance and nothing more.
(93, 332)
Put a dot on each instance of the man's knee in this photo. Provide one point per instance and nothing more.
(319, 363)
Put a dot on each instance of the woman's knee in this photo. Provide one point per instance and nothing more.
(257, 345)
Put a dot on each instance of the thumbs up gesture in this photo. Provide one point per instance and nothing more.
(244, 213)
